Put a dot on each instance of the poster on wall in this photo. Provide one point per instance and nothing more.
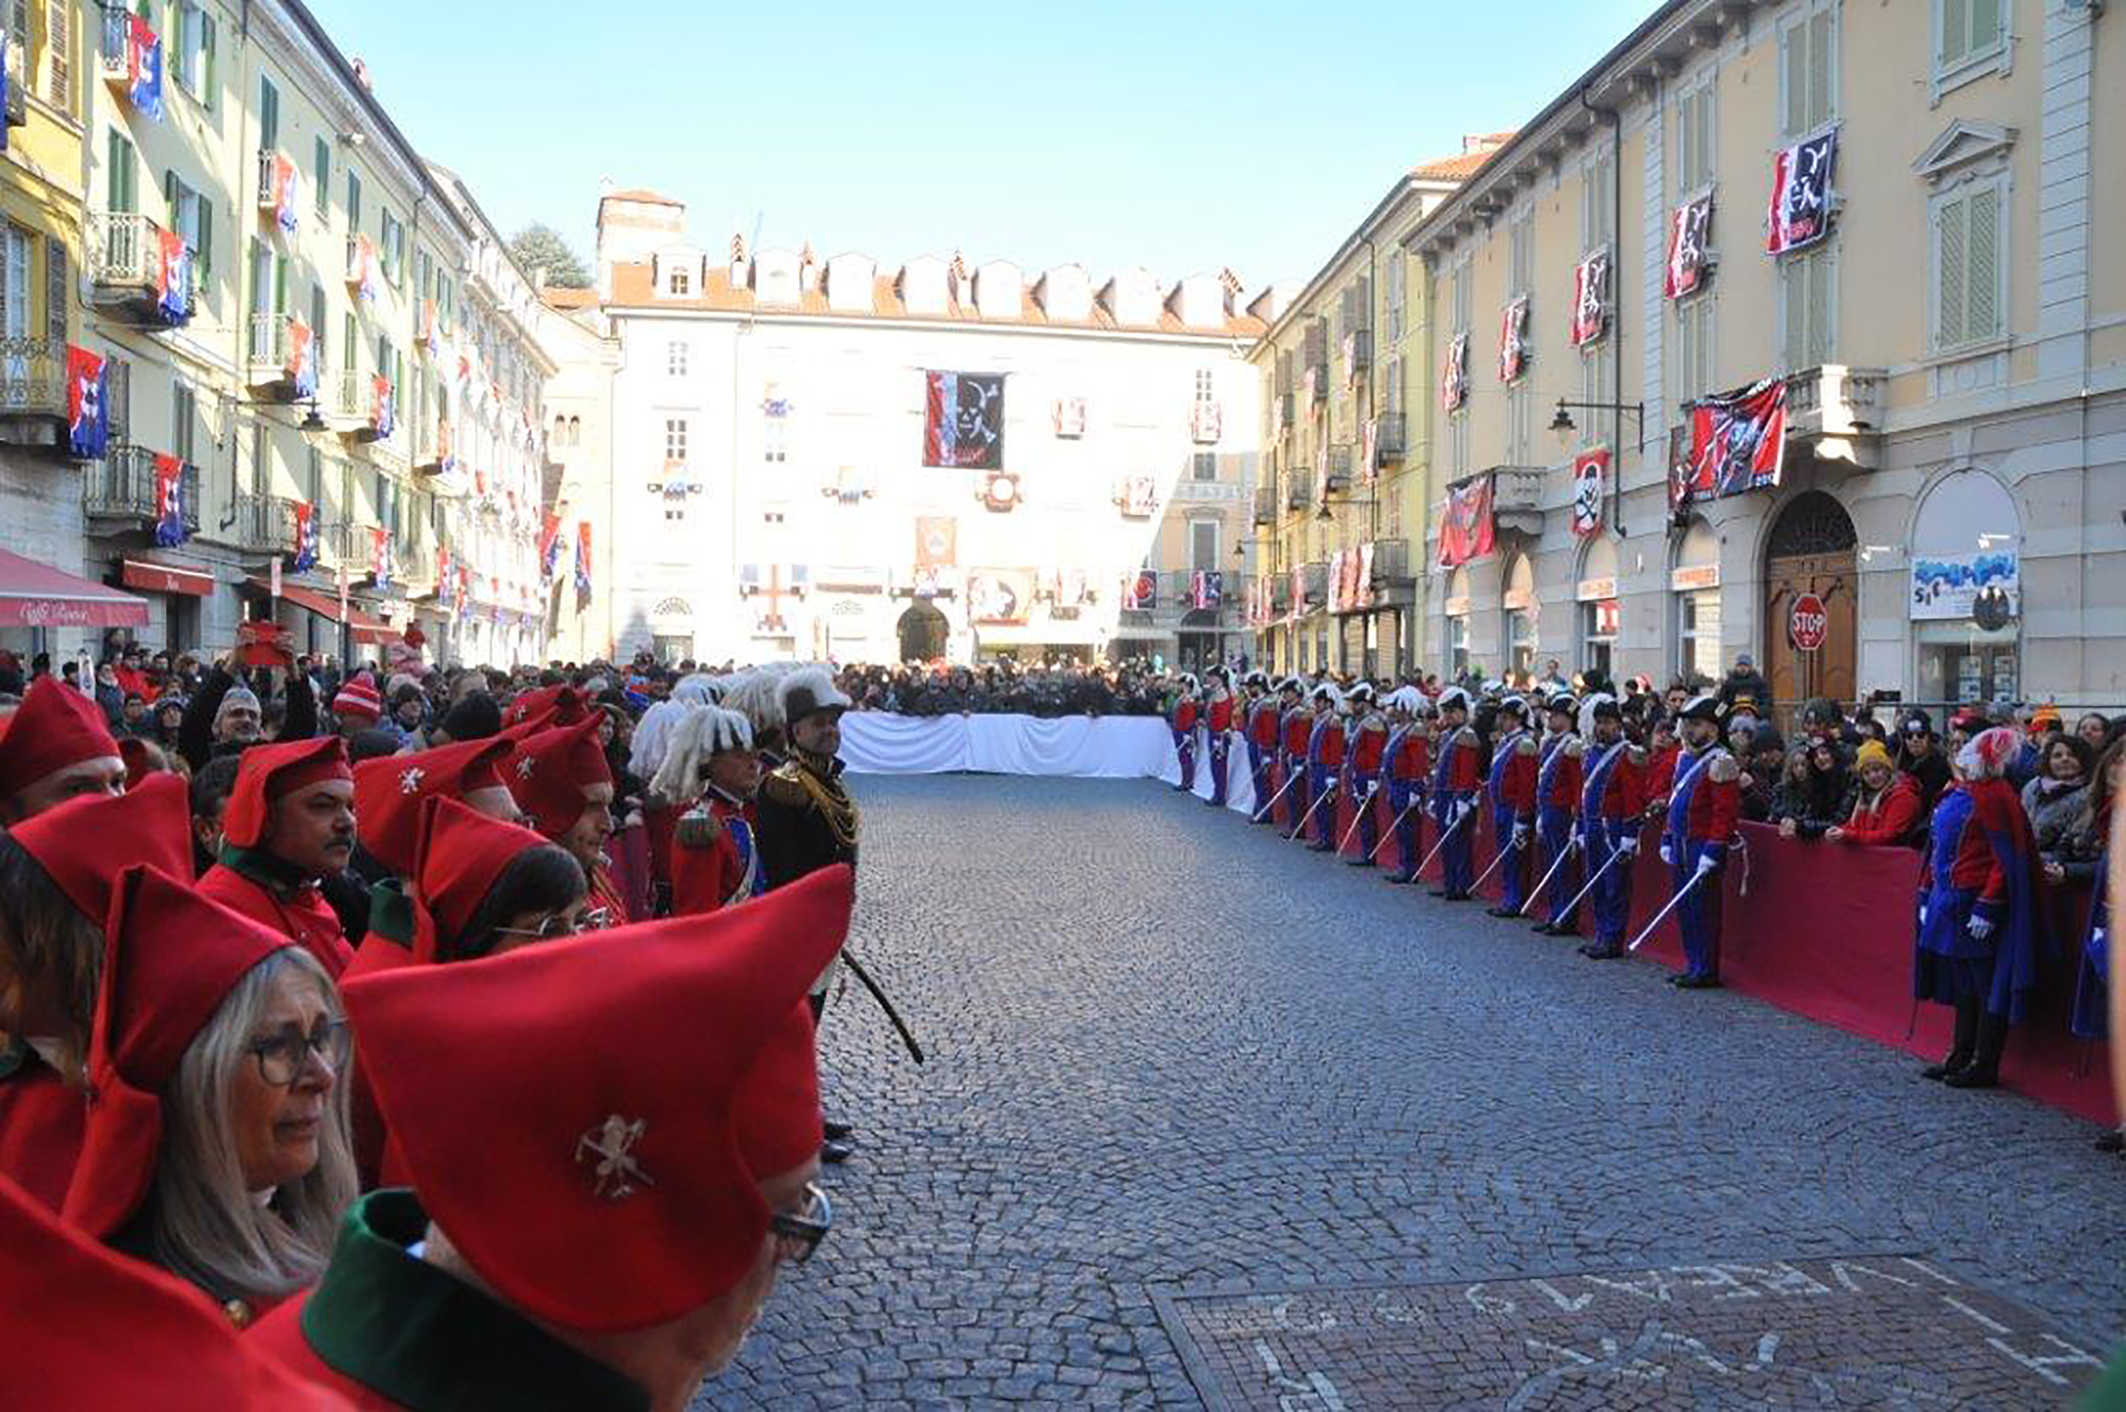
(1590, 474)
(963, 420)
(999, 595)
(936, 541)
(1947, 586)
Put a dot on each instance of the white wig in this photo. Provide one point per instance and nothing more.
(699, 689)
(697, 735)
(646, 749)
(754, 695)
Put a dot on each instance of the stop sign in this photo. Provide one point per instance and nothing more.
(1808, 624)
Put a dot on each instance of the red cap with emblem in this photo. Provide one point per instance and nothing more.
(85, 843)
(552, 705)
(54, 727)
(552, 769)
(389, 793)
(461, 853)
(171, 959)
(269, 771)
(609, 1190)
(84, 1327)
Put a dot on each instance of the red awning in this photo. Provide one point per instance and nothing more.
(374, 631)
(157, 577)
(34, 595)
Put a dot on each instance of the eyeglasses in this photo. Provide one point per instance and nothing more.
(282, 1057)
(798, 1236)
(559, 925)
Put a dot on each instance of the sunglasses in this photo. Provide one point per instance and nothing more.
(797, 1236)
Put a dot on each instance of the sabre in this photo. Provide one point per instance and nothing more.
(1420, 799)
(915, 1051)
(1512, 847)
(1358, 813)
(1614, 855)
(1306, 818)
(1445, 834)
(1660, 916)
(1572, 846)
(1264, 811)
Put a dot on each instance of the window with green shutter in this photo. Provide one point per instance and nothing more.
(1808, 68)
(123, 173)
(321, 179)
(1808, 308)
(1970, 39)
(269, 114)
(1968, 265)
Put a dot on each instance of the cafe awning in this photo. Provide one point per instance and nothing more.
(373, 631)
(154, 576)
(34, 595)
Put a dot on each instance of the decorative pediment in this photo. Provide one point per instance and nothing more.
(1961, 145)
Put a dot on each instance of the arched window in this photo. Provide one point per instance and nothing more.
(1967, 546)
(575, 431)
(560, 431)
(1600, 610)
(1694, 583)
(1457, 607)
(1517, 644)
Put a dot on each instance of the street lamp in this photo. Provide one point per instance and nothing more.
(1563, 424)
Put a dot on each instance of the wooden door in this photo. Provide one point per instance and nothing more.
(1813, 550)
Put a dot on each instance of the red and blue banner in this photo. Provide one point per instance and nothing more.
(1801, 194)
(1466, 526)
(380, 556)
(361, 272)
(549, 547)
(173, 277)
(1206, 588)
(304, 558)
(383, 408)
(1737, 443)
(143, 67)
(301, 365)
(963, 420)
(88, 419)
(583, 565)
(286, 213)
(169, 502)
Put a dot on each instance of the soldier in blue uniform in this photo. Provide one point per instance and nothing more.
(1456, 776)
(1512, 790)
(1557, 799)
(1702, 810)
(1612, 805)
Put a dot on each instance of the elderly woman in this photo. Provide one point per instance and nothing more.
(217, 1146)
(2055, 796)
(1978, 935)
(1886, 810)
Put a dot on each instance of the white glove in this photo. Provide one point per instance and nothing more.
(1922, 914)
(1666, 856)
(1628, 846)
(1520, 834)
(1979, 926)
(1706, 864)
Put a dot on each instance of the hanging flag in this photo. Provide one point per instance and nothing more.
(1454, 378)
(1689, 230)
(173, 277)
(583, 565)
(936, 541)
(88, 420)
(300, 368)
(383, 410)
(1299, 590)
(1069, 416)
(549, 546)
(1590, 297)
(963, 420)
(1364, 578)
(1679, 470)
(1369, 451)
(1140, 591)
(1206, 588)
(380, 556)
(1350, 355)
(426, 333)
(286, 213)
(170, 502)
(1466, 530)
(1206, 422)
(1801, 194)
(445, 579)
(1513, 340)
(361, 270)
(304, 558)
(1590, 475)
(1737, 440)
(143, 67)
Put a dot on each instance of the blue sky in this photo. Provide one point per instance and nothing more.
(1170, 133)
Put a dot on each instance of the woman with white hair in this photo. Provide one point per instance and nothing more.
(217, 1146)
(712, 767)
(1978, 936)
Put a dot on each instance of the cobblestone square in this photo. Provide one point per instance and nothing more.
(1178, 1064)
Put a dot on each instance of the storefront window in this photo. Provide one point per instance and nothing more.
(1520, 609)
(1457, 644)
(1965, 602)
(1598, 636)
(1694, 583)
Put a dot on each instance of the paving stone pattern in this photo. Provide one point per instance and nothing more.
(1173, 1056)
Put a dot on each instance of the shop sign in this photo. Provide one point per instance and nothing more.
(1948, 586)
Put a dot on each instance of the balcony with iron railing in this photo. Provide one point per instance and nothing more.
(269, 355)
(1390, 436)
(1266, 504)
(1280, 594)
(1339, 472)
(18, 107)
(1298, 489)
(119, 492)
(367, 407)
(32, 381)
(127, 270)
(1314, 580)
(1391, 562)
(263, 524)
(344, 544)
(1837, 412)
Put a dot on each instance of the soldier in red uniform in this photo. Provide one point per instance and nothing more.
(1702, 809)
(1325, 763)
(1263, 713)
(1457, 775)
(1612, 809)
(1557, 800)
(1512, 789)
(711, 766)
(1183, 721)
(1368, 742)
(1298, 726)
(1407, 758)
(289, 823)
(1218, 722)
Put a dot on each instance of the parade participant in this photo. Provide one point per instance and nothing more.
(53, 748)
(545, 707)
(389, 795)
(604, 1235)
(1182, 719)
(56, 874)
(209, 802)
(1407, 758)
(216, 1146)
(1666, 757)
(1298, 727)
(1612, 808)
(289, 822)
(711, 771)
(1512, 787)
(1557, 796)
(86, 1328)
(1367, 741)
(562, 782)
(1263, 713)
(1702, 811)
(1978, 933)
(1325, 760)
(1886, 812)
(1457, 775)
(1218, 722)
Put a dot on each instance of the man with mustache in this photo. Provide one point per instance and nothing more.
(289, 823)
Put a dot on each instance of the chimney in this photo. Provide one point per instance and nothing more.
(807, 269)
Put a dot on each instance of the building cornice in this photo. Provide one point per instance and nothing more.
(1237, 344)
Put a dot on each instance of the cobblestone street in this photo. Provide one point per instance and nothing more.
(1181, 1071)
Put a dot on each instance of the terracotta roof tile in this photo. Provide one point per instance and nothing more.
(638, 193)
(1464, 165)
(569, 298)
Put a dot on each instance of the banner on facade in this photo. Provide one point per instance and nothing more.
(1140, 591)
(1454, 378)
(303, 555)
(583, 565)
(1138, 496)
(1069, 414)
(170, 502)
(286, 213)
(1737, 441)
(963, 420)
(1947, 586)
(88, 419)
(937, 541)
(300, 367)
(1590, 482)
(1369, 451)
(549, 546)
(143, 68)
(999, 595)
(1590, 298)
(1206, 588)
(1690, 228)
(173, 277)
(1801, 193)
(1513, 340)
(1466, 529)
(1365, 574)
(1298, 605)
(380, 556)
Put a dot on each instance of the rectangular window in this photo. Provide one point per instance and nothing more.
(1598, 383)
(1458, 443)
(1695, 136)
(675, 358)
(679, 282)
(675, 441)
(1395, 297)
(1521, 254)
(351, 340)
(1206, 386)
(354, 201)
(391, 245)
(1698, 634)
(321, 180)
(1464, 285)
(1968, 237)
(15, 294)
(59, 54)
(122, 170)
(191, 55)
(1519, 450)
(320, 334)
(1970, 37)
(1203, 545)
(192, 216)
(1693, 363)
(1808, 293)
(1598, 225)
(1203, 465)
(1808, 68)
(775, 440)
(269, 114)
(184, 422)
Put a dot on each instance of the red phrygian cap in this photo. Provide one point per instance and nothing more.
(54, 727)
(269, 771)
(390, 791)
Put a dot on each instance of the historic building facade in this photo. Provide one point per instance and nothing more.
(835, 458)
(1883, 223)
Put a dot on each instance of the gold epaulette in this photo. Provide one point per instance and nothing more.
(1574, 747)
(1525, 745)
(1636, 754)
(698, 828)
(785, 785)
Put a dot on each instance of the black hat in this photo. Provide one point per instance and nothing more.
(1915, 722)
(476, 717)
(1605, 708)
(1701, 708)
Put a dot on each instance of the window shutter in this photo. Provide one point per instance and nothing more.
(1984, 264)
(1792, 55)
(1950, 228)
(118, 398)
(1820, 96)
(58, 43)
(207, 55)
(1821, 343)
(1793, 315)
(205, 253)
(1706, 108)
(57, 290)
